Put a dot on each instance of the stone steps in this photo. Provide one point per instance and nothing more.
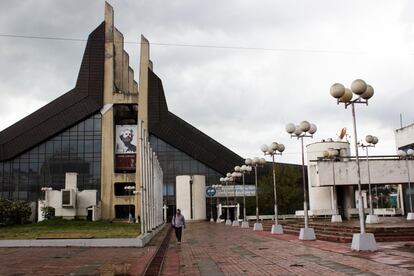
(343, 234)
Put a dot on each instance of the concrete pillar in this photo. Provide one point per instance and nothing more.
(107, 161)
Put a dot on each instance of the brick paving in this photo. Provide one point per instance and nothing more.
(75, 261)
(216, 249)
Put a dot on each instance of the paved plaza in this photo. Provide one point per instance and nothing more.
(211, 249)
(215, 249)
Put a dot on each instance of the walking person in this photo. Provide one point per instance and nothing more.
(178, 222)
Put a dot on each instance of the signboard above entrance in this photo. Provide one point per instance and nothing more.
(250, 190)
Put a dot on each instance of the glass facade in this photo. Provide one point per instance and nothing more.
(175, 162)
(77, 149)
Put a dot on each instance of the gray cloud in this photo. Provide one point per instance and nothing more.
(242, 98)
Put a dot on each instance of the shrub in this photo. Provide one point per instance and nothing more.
(48, 212)
(14, 212)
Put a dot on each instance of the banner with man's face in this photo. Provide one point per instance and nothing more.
(126, 139)
(125, 147)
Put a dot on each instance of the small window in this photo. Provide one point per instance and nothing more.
(123, 211)
(120, 188)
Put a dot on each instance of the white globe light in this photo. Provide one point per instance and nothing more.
(256, 161)
(333, 153)
(264, 148)
(248, 161)
(304, 126)
(346, 97)
(231, 179)
(281, 147)
(401, 153)
(325, 154)
(290, 128)
(369, 92)
(273, 146)
(234, 174)
(375, 141)
(243, 168)
(369, 139)
(410, 152)
(237, 168)
(262, 161)
(298, 131)
(222, 179)
(312, 129)
(358, 86)
(228, 174)
(337, 90)
(249, 169)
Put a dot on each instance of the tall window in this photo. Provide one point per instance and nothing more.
(77, 149)
(175, 162)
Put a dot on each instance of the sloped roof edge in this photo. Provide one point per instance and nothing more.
(77, 104)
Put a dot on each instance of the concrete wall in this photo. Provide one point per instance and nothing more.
(381, 172)
(404, 136)
(183, 195)
(321, 198)
(199, 197)
(119, 88)
(84, 199)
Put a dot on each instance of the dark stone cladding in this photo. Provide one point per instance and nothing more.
(183, 136)
(74, 106)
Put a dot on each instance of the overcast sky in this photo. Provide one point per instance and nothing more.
(241, 98)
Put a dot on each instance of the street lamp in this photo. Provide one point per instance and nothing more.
(129, 189)
(225, 180)
(362, 241)
(332, 154)
(235, 175)
(272, 150)
(304, 129)
(371, 142)
(243, 170)
(218, 187)
(409, 154)
(256, 162)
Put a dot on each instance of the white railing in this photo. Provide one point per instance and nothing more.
(271, 217)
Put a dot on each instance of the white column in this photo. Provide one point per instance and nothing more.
(220, 210)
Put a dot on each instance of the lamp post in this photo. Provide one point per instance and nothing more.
(362, 241)
(371, 142)
(332, 154)
(256, 162)
(234, 176)
(218, 187)
(304, 129)
(409, 154)
(243, 170)
(226, 180)
(272, 150)
(129, 189)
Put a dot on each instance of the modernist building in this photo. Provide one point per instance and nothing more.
(112, 131)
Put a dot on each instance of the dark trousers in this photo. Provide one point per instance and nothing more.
(178, 232)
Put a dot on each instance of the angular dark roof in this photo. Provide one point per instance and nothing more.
(82, 101)
(180, 134)
(183, 136)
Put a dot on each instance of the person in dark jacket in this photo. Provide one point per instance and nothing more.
(178, 222)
